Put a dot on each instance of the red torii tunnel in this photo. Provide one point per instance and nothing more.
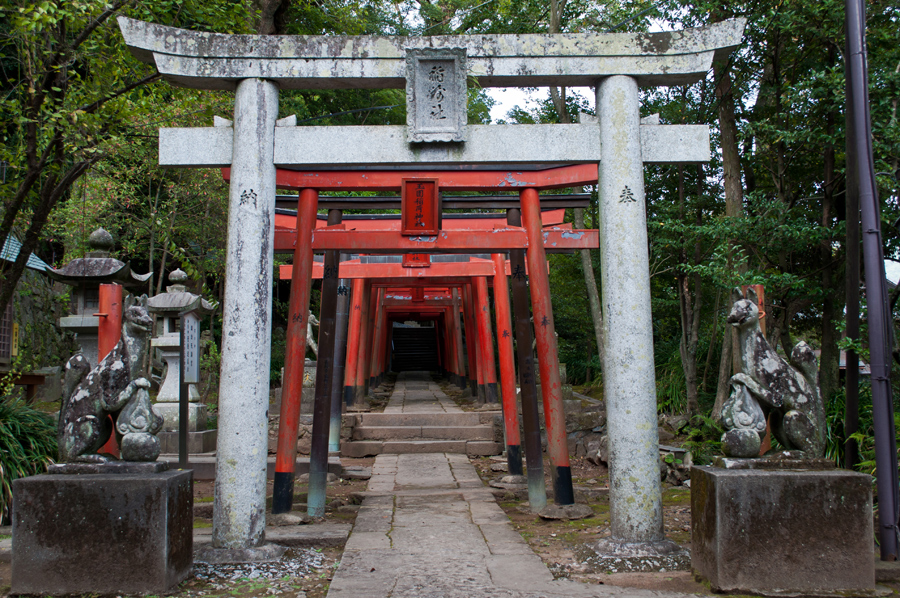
(452, 294)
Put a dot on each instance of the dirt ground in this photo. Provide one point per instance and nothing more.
(556, 541)
(307, 572)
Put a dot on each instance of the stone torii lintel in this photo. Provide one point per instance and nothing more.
(386, 145)
(202, 60)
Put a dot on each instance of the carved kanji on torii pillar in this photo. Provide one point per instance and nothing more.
(256, 67)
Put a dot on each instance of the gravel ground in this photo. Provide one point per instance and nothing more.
(301, 573)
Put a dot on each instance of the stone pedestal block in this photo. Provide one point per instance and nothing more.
(197, 416)
(789, 532)
(198, 442)
(102, 533)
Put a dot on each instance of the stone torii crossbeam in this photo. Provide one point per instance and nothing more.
(256, 67)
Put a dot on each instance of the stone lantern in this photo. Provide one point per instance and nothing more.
(85, 275)
(167, 339)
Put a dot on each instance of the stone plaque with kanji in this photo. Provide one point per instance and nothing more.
(436, 94)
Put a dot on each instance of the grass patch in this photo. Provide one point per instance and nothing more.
(5, 537)
(201, 523)
(205, 499)
(677, 496)
(27, 445)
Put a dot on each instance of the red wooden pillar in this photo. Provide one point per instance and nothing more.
(450, 336)
(452, 331)
(446, 355)
(507, 366)
(548, 357)
(382, 347)
(463, 381)
(472, 345)
(388, 346)
(483, 306)
(362, 362)
(109, 331)
(438, 346)
(295, 355)
(376, 338)
(353, 335)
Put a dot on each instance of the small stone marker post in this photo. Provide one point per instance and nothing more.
(190, 374)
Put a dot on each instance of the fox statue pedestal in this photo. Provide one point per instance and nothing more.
(95, 525)
(102, 528)
(782, 530)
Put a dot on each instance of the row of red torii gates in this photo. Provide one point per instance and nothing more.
(452, 294)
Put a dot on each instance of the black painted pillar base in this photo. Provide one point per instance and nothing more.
(492, 392)
(514, 459)
(349, 395)
(563, 492)
(283, 492)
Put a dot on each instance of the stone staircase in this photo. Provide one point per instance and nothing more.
(469, 433)
(414, 349)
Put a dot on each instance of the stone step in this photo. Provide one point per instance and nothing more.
(367, 448)
(421, 419)
(478, 432)
(204, 466)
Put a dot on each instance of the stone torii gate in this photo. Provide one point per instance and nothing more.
(256, 67)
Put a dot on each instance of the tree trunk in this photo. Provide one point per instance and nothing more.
(689, 301)
(832, 282)
(712, 341)
(734, 207)
(271, 16)
(590, 282)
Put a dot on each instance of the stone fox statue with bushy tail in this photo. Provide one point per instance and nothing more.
(92, 394)
(769, 385)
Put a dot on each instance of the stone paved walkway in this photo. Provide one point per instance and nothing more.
(429, 528)
(416, 392)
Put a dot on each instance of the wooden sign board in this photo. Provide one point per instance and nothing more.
(420, 207)
(190, 348)
(416, 260)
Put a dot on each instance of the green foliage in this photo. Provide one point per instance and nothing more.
(27, 445)
(703, 439)
(671, 392)
(210, 363)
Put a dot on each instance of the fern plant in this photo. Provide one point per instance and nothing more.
(27, 445)
(703, 439)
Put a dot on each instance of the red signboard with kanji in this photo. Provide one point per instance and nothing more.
(420, 207)
(416, 260)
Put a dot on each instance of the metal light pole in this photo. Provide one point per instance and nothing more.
(861, 183)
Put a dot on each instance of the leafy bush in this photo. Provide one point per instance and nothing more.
(27, 445)
(703, 439)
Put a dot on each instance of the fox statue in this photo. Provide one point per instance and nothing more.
(115, 385)
(770, 388)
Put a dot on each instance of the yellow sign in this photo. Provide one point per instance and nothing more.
(14, 345)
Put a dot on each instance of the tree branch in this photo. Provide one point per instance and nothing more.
(94, 105)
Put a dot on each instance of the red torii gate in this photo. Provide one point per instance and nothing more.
(517, 236)
(413, 302)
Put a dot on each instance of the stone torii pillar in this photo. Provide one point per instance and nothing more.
(629, 378)
(239, 518)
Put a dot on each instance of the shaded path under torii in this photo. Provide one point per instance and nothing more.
(430, 528)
